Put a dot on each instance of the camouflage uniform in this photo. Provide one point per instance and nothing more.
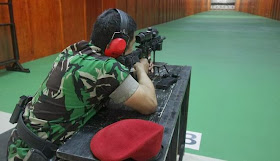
(80, 82)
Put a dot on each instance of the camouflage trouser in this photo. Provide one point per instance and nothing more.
(17, 148)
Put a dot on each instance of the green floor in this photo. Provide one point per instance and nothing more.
(235, 86)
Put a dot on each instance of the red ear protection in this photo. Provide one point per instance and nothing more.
(115, 48)
(119, 40)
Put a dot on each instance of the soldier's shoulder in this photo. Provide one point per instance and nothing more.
(113, 63)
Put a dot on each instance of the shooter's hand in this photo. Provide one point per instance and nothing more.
(143, 65)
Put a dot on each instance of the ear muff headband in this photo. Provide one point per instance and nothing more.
(119, 40)
(124, 21)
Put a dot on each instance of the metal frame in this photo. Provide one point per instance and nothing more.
(178, 136)
(13, 64)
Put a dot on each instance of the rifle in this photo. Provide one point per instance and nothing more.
(148, 41)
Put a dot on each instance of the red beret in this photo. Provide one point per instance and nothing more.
(130, 138)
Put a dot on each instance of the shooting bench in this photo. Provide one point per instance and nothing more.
(172, 114)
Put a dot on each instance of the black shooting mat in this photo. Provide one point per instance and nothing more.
(116, 112)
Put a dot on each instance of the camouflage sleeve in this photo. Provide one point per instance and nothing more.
(114, 79)
(125, 86)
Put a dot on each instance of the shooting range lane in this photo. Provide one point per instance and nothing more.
(234, 97)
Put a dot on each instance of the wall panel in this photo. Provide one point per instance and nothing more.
(172, 11)
(106, 4)
(168, 14)
(237, 5)
(245, 5)
(265, 8)
(196, 6)
(189, 9)
(276, 10)
(165, 11)
(23, 30)
(45, 27)
(121, 4)
(132, 9)
(91, 15)
(156, 12)
(203, 6)
(139, 14)
(146, 13)
(152, 11)
(261, 10)
(73, 29)
(160, 10)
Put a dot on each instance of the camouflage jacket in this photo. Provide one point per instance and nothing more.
(79, 83)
